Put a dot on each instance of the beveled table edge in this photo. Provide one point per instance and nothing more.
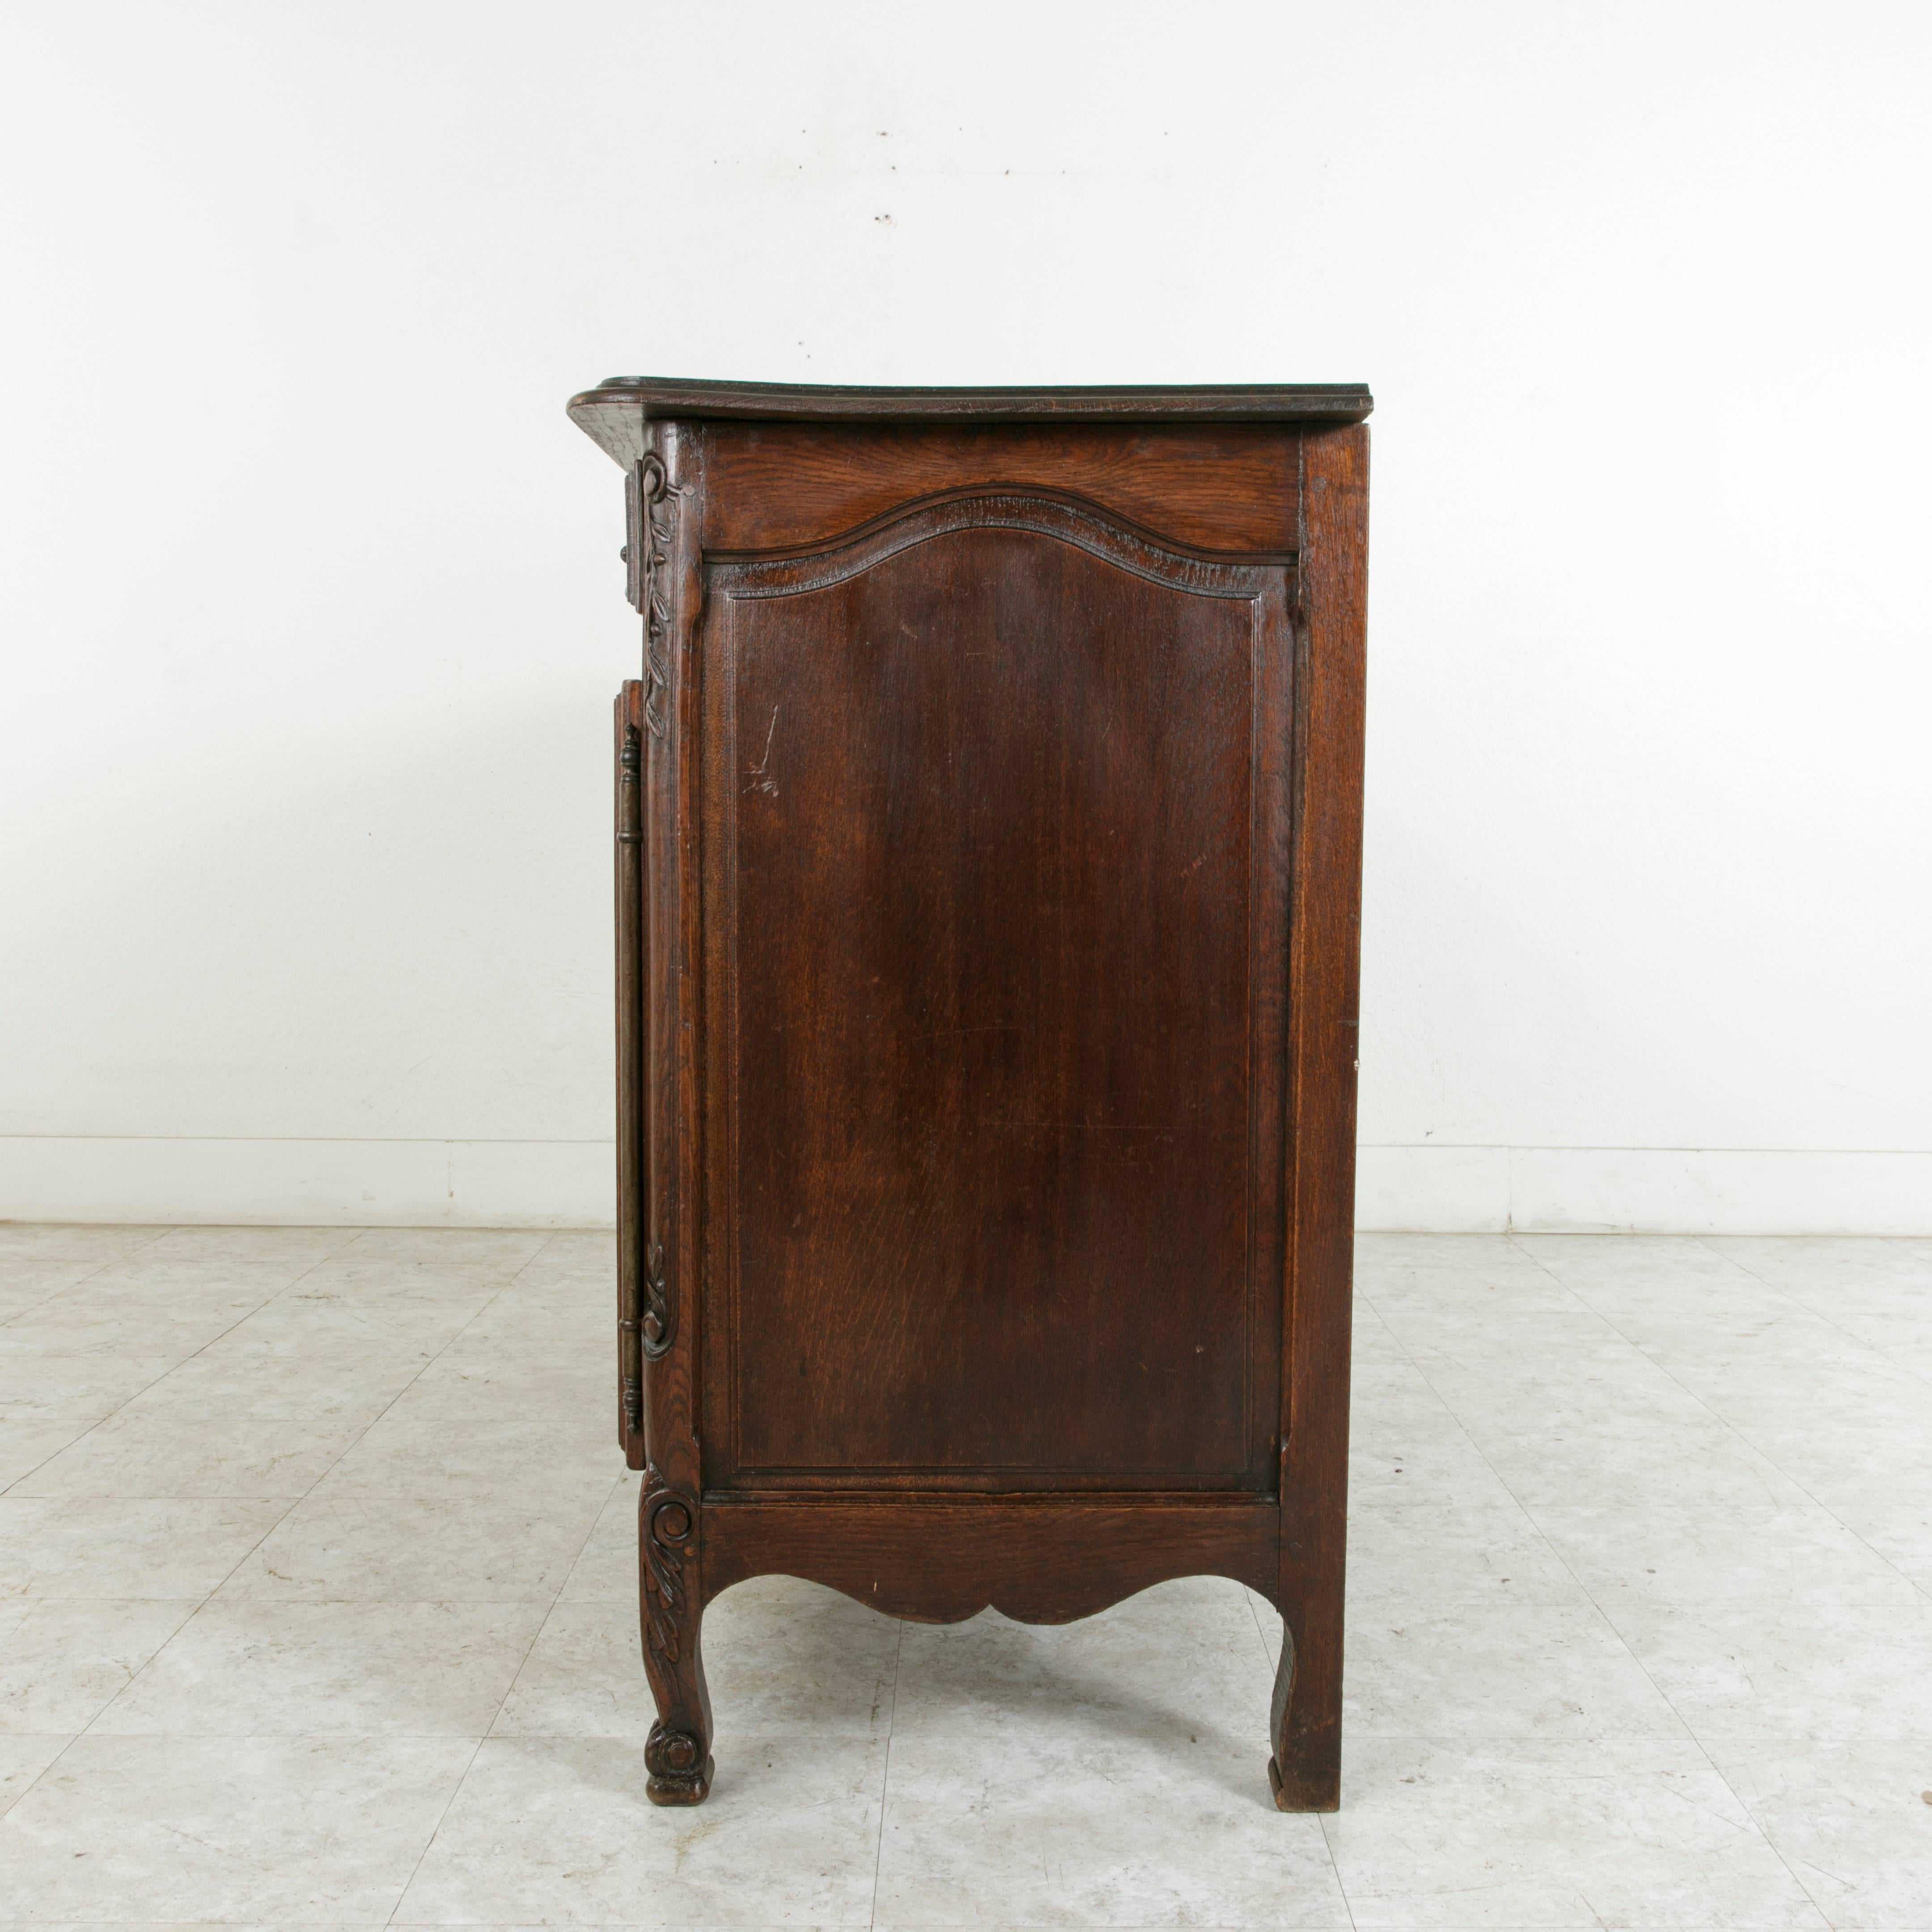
(613, 413)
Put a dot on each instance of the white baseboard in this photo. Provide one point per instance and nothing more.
(310, 1183)
(1652, 1190)
(572, 1184)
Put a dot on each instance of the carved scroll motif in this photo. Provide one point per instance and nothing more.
(658, 1325)
(657, 520)
(671, 1526)
(677, 1753)
(678, 1764)
(653, 506)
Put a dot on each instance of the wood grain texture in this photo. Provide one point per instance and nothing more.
(1326, 970)
(616, 414)
(677, 1753)
(991, 1088)
(670, 999)
(1045, 1561)
(1229, 490)
(632, 1185)
(994, 1200)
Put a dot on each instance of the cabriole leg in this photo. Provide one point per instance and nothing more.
(678, 1752)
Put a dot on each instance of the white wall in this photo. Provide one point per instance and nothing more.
(312, 611)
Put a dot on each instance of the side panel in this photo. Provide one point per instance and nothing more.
(998, 808)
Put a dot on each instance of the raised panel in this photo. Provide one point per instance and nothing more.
(999, 809)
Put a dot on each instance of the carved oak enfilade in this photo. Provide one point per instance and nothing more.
(988, 843)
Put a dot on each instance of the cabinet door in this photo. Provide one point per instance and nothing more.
(997, 800)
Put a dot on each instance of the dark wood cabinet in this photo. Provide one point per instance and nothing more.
(988, 826)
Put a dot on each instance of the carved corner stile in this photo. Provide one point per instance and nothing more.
(677, 1753)
(654, 525)
(657, 504)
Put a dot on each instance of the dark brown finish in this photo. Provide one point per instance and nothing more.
(677, 1753)
(986, 1071)
(988, 839)
(771, 486)
(1325, 968)
(616, 414)
(1039, 1560)
(630, 1072)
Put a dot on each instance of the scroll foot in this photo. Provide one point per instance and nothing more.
(677, 1776)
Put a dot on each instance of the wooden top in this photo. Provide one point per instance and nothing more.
(614, 414)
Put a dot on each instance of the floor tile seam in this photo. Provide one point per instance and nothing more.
(79, 1282)
(549, 1610)
(1616, 1634)
(1690, 1731)
(159, 1496)
(523, 1267)
(90, 1424)
(1334, 1863)
(885, 1780)
(234, 1734)
(86, 1429)
(1764, 1834)
(282, 1517)
(76, 1737)
(1588, 1595)
(93, 1423)
(1382, 1605)
(33, 1782)
(171, 1368)
(428, 1362)
(340, 1601)
(1786, 1296)
(1575, 1294)
(1256, 1616)
(194, 1606)
(442, 1817)
(556, 1597)
(280, 1601)
(1923, 1375)
(1462, 1429)
(1901, 1740)
(174, 1635)
(1591, 1737)
(1817, 1502)
(1408, 1360)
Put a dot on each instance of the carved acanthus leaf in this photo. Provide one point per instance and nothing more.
(658, 531)
(670, 1525)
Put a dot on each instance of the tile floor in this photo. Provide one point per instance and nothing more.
(317, 1607)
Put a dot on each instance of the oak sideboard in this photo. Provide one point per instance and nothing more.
(988, 846)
